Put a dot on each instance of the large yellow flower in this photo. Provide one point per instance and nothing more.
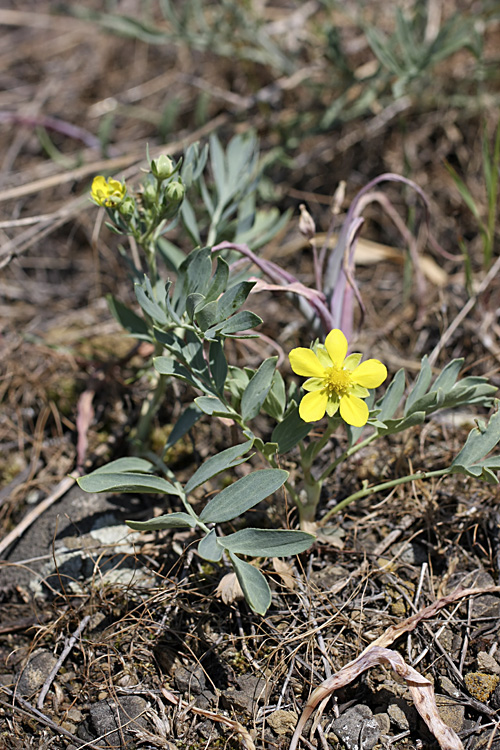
(335, 381)
(107, 193)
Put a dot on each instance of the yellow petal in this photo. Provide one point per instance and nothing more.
(370, 373)
(313, 406)
(353, 411)
(304, 362)
(336, 346)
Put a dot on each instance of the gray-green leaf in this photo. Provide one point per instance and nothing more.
(253, 584)
(168, 521)
(244, 494)
(267, 542)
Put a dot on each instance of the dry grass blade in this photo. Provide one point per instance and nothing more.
(420, 688)
(377, 653)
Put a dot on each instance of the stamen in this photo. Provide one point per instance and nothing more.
(338, 381)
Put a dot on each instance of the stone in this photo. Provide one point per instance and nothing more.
(190, 679)
(282, 722)
(398, 717)
(448, 687)
(35, 672)
(117, 720)
(245, 696)
(451, 712)
(357, 728)
(384, 722)
(486, 663)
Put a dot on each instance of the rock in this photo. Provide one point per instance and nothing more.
(448, 687)
(116, 719)
(484, 606)
(190, 679)
(35, 672)
(451, 712)
(481, 685)
(410, 553)
(486, 663)
(384, 722)
(246, 695)
(398, 717)
(357, 728)
(282, 722)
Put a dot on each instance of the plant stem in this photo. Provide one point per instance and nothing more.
(379, 487)
(148, 410)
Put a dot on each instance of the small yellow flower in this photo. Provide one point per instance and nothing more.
(335, 381)
(107, 193)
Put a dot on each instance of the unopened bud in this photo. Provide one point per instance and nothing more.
(175, 192)
(307, 227)
(149, 194)
(162, 167)
(127, 207)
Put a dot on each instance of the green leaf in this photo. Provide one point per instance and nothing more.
(149, 305)
(218, 164)
(393, 395)
(256, 391)
(222, 461)
(253, 584)
(218, 365)
(244, 494)
(239, 322)
(192, 302)
(194, 276)
(290, 431)
(128, 319)
(448, 376)
(421, 385)
(206, 315)
(190, 222)
(480, 441)
(267, 542)
(130, 464)
(392, 426)
(219, 281)
(213, 406)
(126, 482)
(169, 521)
(209, 548)
(187, 419)
(168, 366)
(275, 402)
(233, 299)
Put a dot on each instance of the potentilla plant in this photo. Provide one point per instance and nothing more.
(189, 322)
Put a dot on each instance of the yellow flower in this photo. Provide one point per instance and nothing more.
(335, 381)
(107, 193)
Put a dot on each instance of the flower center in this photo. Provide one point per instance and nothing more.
(338, 381)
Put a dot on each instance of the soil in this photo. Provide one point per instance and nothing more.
(154, 656)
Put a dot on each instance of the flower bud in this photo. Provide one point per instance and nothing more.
(149, 195)
(175, 192)
(162, 167)
(127, 207)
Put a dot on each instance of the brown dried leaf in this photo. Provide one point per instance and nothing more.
(285, 572)
(229, 589)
